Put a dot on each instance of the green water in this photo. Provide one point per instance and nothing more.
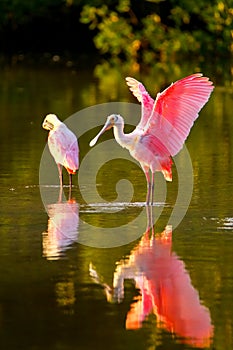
(57, 293)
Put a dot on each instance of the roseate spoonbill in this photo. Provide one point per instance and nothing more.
(63, 146)
(164, 126)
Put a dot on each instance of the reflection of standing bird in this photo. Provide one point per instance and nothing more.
(62, 229)
(164, 126)
(165, 290)
(63, 145)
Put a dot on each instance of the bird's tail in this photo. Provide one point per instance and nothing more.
(167, 174)
(167, 169)
(70, 171)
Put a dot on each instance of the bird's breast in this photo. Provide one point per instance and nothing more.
(133, 143)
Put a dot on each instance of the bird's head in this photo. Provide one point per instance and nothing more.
(112, 120)
(51, 122)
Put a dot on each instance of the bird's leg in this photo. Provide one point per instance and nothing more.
(149, 217)
(59, 166)
(148, 186)
(152, 188)
(60, 195)
(70, 180)
(70, 185)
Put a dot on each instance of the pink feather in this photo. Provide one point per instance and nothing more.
(63, 146)
(176, 109)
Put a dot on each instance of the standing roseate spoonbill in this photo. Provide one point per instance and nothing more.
(63, 146)
(164, 126)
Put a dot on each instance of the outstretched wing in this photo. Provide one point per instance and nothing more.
(143, 97)
(176, 109)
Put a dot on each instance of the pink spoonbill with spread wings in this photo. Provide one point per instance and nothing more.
(164, 126)
(63, 146)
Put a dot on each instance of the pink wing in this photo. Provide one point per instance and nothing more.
(176, 109)
(143, 97)
(63, 146)
(72, 156)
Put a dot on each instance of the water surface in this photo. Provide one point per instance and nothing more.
(57, 293)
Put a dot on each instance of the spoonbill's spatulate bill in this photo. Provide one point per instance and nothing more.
(164, 126)
(63, 146)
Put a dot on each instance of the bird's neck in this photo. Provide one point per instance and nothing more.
(122, 138)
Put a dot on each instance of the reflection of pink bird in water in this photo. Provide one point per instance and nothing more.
(166, 290)
(165, 124)
(63, 145)
(62, 228)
